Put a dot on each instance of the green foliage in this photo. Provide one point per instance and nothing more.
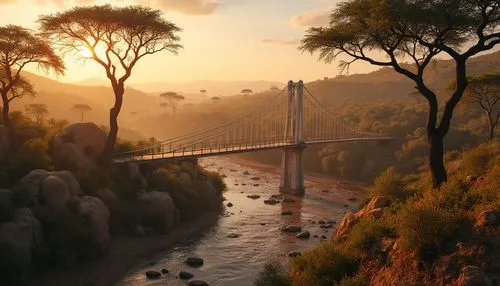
(480, 159)
(425, 228)
(67, 238)
(272, 275)
(389, 184)
(324, 265)
(367, 232)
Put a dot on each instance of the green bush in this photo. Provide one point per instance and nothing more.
(324, 265)
(272, 275)
(125, 215)
(425, 228)
(389, 184)
(367, 232)
(478, 160)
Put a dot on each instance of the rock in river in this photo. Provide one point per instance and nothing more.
(164, 271)
(291, 228)
(197, 283)
(287, 213)
(304, 235)
(253, 197)
(271, 201)
(185, 275)
(288, 200)
(194, 261)
(153, 274)
(229, 205)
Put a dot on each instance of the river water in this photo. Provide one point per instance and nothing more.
(237, 261)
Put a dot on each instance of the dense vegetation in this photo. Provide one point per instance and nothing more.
(424, 238)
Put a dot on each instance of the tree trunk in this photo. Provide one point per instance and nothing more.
(113, 125)
(7, 122)
(491, 131)
(436, 159)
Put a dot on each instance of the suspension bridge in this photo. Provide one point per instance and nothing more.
(289, 121)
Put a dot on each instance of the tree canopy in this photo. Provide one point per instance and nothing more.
(123, 34)
(20, 47)
(392, 32)
(173, 99)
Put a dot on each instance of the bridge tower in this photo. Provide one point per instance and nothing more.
(292, 170)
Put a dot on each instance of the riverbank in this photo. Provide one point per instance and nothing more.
(123, 253)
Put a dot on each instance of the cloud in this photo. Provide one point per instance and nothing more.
(187, 7)
(190, 7)
(287, 42)
(311, 18)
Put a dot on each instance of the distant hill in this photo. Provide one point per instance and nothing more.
(94, 81)
(214, 88)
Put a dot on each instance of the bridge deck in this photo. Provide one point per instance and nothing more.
(226, 150)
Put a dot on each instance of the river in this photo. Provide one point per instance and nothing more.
(237, 261)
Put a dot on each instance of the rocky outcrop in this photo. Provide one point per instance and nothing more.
(50, 188)
(98, 214)
(78, 146)
(373, 210)
(55, 193)
(107, 196)
(134, 174)
(5, 197)
(158, 210)
(21, 235)
(185, 178)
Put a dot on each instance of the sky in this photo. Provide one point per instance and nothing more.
(226, 40)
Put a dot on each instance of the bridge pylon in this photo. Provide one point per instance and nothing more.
(292, 169)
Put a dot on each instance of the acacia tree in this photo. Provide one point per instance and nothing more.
(125, 35)
(38, 111)
(415, 31)
(20, 47)
(246, 91)
(82, 108)
(163, 106)
(484, 90)
(203, 92)
(173, 99)
(216, 99)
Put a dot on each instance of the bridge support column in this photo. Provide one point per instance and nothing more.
(292, 171)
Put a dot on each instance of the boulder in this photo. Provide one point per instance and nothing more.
(291, 228)
(78, 145)
(488, 218)
(194, 262)
(21, 235)
(153, 274)
(197, 283)
(373, 210)
(253, 197)
(185, 178)
(288, 200)
(54, 192)
(304, 235)
(287, 213)
(158, 210)
(164, 271)
(63, 182)
(229, 205)
(294, 254)
(185, 275)
(135, 175)
(271, 201)
(107, 196)
(98, 214)
(346, 225)
(473, 276)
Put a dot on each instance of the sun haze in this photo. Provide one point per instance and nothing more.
(223, 40)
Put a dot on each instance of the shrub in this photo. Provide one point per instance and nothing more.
(216, 180)
(272, 275)
(477, 161)
(365, 233)
(125, 215)
(389, 184)
(424, 228)
(324, 265)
